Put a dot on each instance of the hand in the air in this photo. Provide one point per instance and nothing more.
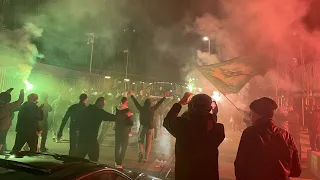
(186, 98)
(130, 93)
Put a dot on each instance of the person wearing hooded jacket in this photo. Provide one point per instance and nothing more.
(147, 125)
(265, 151)
(198, 136)
(6, 113)
(124, 122)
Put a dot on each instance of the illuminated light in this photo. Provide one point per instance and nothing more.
(200, 89)
(107, 77)
(12, 156)
(150, 83)
(133, 83)
(126, 80)
(29, 86)
(190, 87)
(206, 38)
(216, 96)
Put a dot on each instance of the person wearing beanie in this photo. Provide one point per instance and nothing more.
(6, 112)
(27, 127)
(72, 113)
(198, 137)
(265, 151)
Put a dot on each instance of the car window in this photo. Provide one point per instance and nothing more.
(106, 176)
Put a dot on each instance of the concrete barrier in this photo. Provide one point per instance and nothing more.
(314, 163)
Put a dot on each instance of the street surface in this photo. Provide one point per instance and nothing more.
(161, 162)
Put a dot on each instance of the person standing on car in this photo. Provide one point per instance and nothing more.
(265, 151)
(198, 136)
(28, 124)
(147, 125)
(89, 123)
(44, 126)
(73, 113)
(124, 122)
(6, 113)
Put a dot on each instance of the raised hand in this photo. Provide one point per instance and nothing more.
(186, 98)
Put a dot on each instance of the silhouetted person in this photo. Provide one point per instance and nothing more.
(198, 137)
(44, 126)
(147, 125)
(89, 123)
(6, 114)
(28, 124)
(73, 113)
(124, 122)
(314, 131)
(265, 151)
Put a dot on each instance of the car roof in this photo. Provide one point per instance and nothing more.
(44, 162)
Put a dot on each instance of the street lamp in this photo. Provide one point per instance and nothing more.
(127, 52)
(91, 40)
(206, 38)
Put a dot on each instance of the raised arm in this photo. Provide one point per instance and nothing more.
(171, 120)
(17, 103)
(155, 107)
(136, 103)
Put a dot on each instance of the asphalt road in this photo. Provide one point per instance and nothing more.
(161, 162)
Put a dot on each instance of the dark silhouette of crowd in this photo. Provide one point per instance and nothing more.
(266, 151)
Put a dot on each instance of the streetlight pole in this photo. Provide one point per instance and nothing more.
(127, 52)
(206, 38)
(91, 40)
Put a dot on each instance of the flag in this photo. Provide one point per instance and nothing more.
(126, 51)
(229, 77)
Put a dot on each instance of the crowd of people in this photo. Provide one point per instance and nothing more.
(266, 150)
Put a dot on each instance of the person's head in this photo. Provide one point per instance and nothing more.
(83, 98)
(124, 101)
(262, 109)
(147, 102)
(5, 97)
(200, 103)
(100, 102)
(33, 98)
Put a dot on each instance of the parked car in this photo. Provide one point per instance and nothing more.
(26, 165)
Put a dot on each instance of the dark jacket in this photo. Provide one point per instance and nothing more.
(72, 112)
(147, 112)
(123, 121)
(266, 152)
(198, 137)
(28, 118)
(89, 123)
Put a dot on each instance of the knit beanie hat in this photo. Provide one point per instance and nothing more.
(265, 107)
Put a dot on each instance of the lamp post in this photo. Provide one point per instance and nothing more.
(206, 38)
(125, 82)
(91, 40)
